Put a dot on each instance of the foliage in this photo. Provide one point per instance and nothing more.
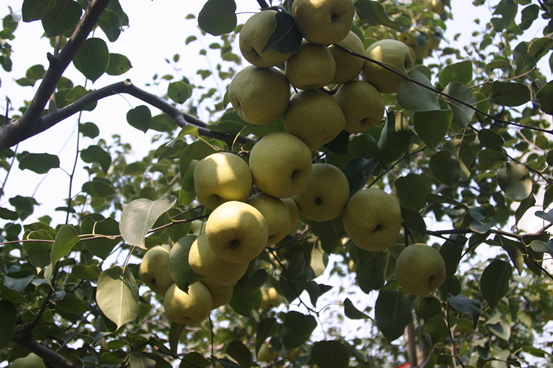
(466, 141)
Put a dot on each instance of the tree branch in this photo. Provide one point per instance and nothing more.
(11, 133)
(49, 120)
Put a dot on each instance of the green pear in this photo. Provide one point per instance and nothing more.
(30, 361)
(154, 270)
(314, 117)
(254, 36)
(361, 104)
(326, 195)
(204, 262)
(420, 269)
(394, 54)
(281, 165)
(187, 308)
(220, 295)
(348, 66)
(275, 212)
(236, 232)
(222, 177)
(372, 219)
(270, 298)
(266, 353)
(323, 21)
(311, 67)
(259, 95)
(294, 212)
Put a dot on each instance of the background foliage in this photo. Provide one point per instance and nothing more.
(70, 291)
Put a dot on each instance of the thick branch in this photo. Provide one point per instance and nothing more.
(45, 353)
(182, 119)
(10, 133)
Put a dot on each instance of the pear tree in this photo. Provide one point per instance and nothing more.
(358, 197)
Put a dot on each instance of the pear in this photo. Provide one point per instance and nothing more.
(275, 212)
(154, 270)
(236, 232)
(204, 262)
(323, 21)
(259, 95)
(326, 195)
(361, 104)
(420, 269)
(270, 298)
(281, 165)
(254, 36)
(266, 353)
(314, 117)
(394, 54)
(30, 361)
(294, 212)
(187, 308)
(222, 177)
(220, 295)
(311, 67)
(348, 66)
(372, 219)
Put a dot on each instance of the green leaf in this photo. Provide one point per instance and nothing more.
(523, 61)
(178, 262)
(432, 126)
(357, 172)
(414, 97)
(72, 304)
(39, 251)
(514, 179)
(36, 9)
(76, 93)
(92, 59)
(175, 333)
(490, 160)
(508, 11)
(437, 329)
(481, 228)
(265, 328)
(539, 47)
(330, 354)
(297, 329)
(459, 72)
(545, 98)
(194, 151)
(8, 317)
(465, 305)
(64, 16)
(462, 114)
(542, 247)
(515, 249)
(524, 206)
(187, 192)
(529, 15)
(89, 130)
(364, 145)
(429, 307)
(239, 352)
(392, 312)
(84, 272)
(94, 153)
(445, 168)
(111, 25)
(179, 91)
(140, 118)
(452, 251)
(7, 214)
(117, 295)
(395, 137)
(245, 305)
(351, 312)
(327, 236)
(102, 246)
(411, 191)
(374, 13)
(490, 139)
(139, 216)
(285, 38)
(371, 270)
(501, 329)
(339, 144)
(39, 163)
(510, 94)
(494, 282)
(413, 220)
(35, 72)
(218, 17)
(194, 360)
(118, 64)
(98, 188)
(66, 239)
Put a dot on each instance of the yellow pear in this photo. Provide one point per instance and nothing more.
(259, 95)
(236, 232)
(204, 262)
(326, 195)
(281, 164)
(420, 269)
(323, 21)
(294, 212)
(407, 38)
(222, 177)
(361, 104)
(270, 298)
(187, 308)
(314, 117)
(276, 214)
(254, 36)
(154, 270)
(348, 66)
(311, 67)
(394, 54)
(372, 219)
(220, 295)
